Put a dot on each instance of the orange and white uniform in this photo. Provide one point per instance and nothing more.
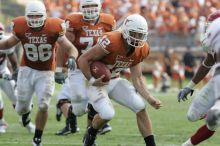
(86, 36)
(36, 73)
(118, 89)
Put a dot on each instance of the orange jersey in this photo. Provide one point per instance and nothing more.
(115, 47)
(39, 45)
(86, 34)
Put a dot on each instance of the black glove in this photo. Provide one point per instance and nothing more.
(15, 75)
(184, 92)
(71, 63)
(59, 77)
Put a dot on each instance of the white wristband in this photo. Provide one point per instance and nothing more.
(191, 84)
(91, 81)
(206, 66)
(59, 69)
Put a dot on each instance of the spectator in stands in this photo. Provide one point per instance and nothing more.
(178, 74)
(189, 62)
(157, 74)
(167, 61)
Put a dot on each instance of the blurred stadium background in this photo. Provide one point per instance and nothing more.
(175, 28)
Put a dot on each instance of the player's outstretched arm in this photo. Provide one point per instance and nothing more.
(204, 68)
(59, 75)
(199, 75)
(139, 84)
(14, 62)
(69, 48)
(9, 42)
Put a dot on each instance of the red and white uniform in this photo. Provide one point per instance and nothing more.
(118, 89)
(207, 95)
(8, 87)
(36, 73)
(86, 36)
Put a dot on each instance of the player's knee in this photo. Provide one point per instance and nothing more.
(61, 102)
(213, 120)
(192, 116)
(22, 108)
(79, 108)
(138, 105)
(107, 113)
(43, 107)
(78, 111)
(211, 126)
(141, 107)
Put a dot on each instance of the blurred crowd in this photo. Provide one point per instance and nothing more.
(172, 23)
(165, 16)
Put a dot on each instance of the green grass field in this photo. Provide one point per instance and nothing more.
(171, 127)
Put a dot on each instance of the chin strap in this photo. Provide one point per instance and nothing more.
(130, 50)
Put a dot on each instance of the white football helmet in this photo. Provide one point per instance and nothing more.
(90, 9)
(211, 41)
(2, 31)
(35, 14)
(135, 30)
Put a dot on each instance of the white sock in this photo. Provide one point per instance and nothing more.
(187, 143)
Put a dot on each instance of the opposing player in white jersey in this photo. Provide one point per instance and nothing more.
(7, 85)
(206, 98)
(38, 35)
(83, 30)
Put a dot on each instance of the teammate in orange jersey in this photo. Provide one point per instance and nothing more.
(38, 35)
(83, 30)
(119, 50)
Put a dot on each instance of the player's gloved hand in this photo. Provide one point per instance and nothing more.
(71, 63)
(6, 76)
(15, 75)
(59, 77)
(183, 93)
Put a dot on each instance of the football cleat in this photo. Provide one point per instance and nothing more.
(67, 130)
(36, 142)
(89, 140)
(105, 129)
(187, 143)
(2, 129)
(3, 123)
(30, 127)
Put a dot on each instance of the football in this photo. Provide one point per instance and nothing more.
(98, 69)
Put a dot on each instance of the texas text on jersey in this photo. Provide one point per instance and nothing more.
(39, 46)
(87, 34)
